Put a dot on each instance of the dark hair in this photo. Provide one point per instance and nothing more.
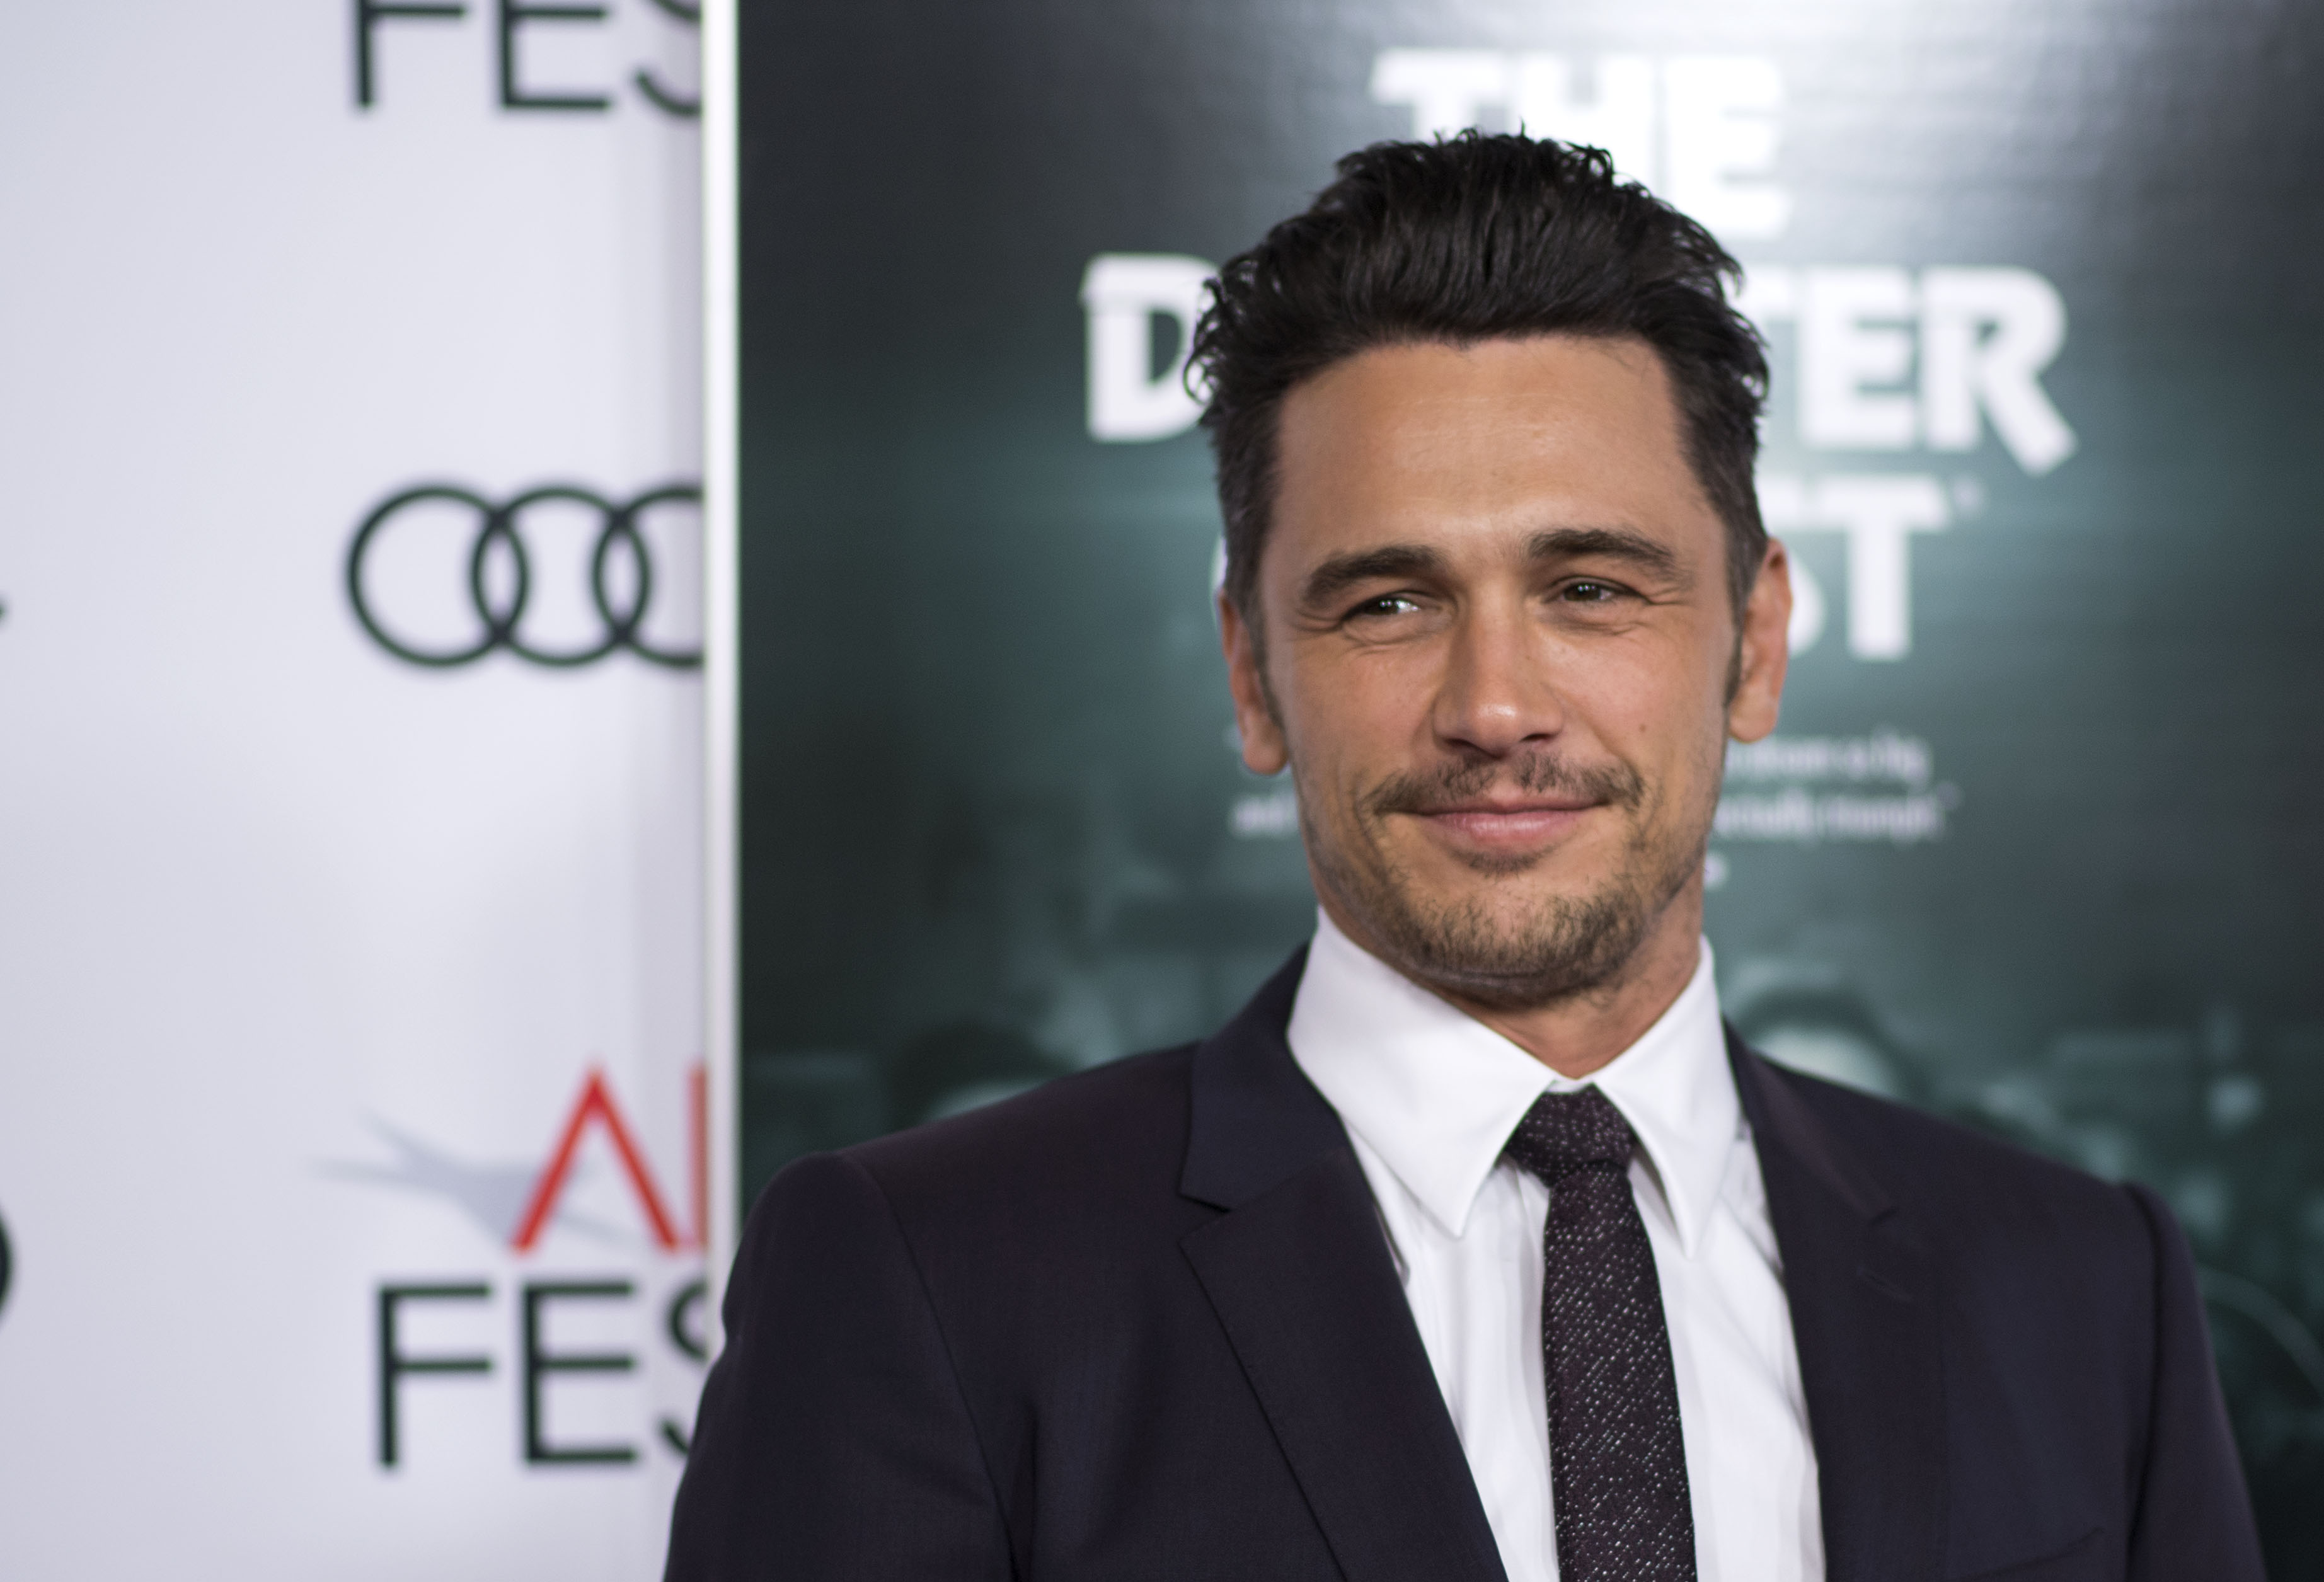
(1478, 238)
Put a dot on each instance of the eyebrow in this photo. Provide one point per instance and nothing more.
(1339, 573)
(1613, 543)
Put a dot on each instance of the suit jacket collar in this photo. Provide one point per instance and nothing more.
(1866, 1320)
(1299, 1273)
(1257, 1120)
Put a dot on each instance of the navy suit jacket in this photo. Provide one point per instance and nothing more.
(1142, 1322)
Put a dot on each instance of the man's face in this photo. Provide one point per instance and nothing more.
(1497, 649)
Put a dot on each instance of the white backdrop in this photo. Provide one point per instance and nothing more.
(308, 952)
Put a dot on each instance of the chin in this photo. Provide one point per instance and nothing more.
(1555, 869)
(1517, 940)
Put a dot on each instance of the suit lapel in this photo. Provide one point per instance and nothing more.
(1299, 1274)
(1866, 1319)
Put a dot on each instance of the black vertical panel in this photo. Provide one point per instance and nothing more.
(989, 804)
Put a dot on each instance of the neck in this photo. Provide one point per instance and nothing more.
(1580, 1032)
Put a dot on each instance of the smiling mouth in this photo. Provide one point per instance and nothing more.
(1505, 826)
(1506, 813)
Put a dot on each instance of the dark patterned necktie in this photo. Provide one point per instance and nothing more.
(1618, 1464)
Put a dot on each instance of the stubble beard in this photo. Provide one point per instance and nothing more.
(1561, 947)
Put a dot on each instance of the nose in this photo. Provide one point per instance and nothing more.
(1497, 696)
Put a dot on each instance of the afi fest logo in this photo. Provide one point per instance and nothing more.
(1889, 365)
(431, 1330)
(557, 60)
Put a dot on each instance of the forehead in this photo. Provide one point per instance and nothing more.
(1484, 445)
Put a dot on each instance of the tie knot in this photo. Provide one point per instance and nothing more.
(1565, 1132)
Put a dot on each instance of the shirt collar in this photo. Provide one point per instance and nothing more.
(1436, 1093)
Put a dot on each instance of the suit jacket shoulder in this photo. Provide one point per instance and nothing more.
(2030, 1339)
(1989, 1204)
(1159, 1299)
(1083, 1147)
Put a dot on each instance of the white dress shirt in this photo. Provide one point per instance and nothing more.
(1429, 1095)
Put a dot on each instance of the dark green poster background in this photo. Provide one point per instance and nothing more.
(2036, 845)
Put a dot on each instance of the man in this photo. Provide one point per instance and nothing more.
(1474, 1246)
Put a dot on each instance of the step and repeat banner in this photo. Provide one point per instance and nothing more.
(351, 1140)
(2036, 846)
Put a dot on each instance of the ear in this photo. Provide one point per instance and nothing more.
(1264, 751)
(1765, 651)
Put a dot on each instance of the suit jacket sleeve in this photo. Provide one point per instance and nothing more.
(832, 1440)
(2193, 1517)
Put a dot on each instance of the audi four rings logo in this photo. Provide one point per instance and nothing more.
(500, 605)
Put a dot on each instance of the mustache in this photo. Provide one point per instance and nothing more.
(1456, 781)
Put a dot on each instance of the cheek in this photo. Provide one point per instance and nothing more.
(1648, 703)
(1358, 714)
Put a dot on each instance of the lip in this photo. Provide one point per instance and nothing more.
(1507, 826)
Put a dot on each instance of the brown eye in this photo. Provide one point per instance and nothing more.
(1386, 604)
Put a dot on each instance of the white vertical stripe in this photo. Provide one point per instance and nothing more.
(721, 637)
